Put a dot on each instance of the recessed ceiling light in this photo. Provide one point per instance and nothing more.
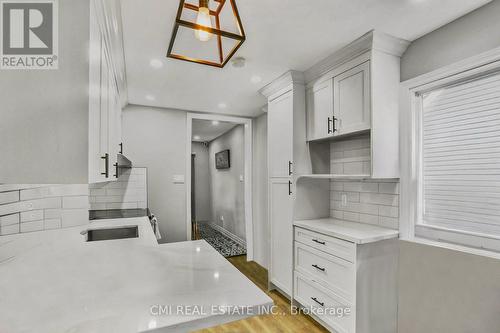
(196, 137)
(255, 79)
(156, 63)
(150, 97)
(215, 122)
(222, 105)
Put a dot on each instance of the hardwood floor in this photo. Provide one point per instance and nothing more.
(269, 323)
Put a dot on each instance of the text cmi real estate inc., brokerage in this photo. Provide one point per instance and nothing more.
(29, 34)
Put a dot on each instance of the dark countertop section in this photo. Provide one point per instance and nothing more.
(118, 213)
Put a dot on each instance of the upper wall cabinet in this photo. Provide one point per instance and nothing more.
(107, 91)
(280, 130)
(320, 110)
(351, 96)
(355, 90)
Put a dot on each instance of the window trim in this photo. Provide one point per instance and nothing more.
(410, 155)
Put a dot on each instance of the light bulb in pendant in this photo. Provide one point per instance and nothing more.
(203, 19)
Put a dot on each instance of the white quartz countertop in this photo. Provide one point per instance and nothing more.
(358, 233)
(54, 281)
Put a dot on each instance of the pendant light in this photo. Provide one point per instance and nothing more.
(217, 45)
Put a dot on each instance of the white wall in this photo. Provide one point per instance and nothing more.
(476, 32)
(260, 221)
(443, 290)
(156, 139)
(44, 113)
(227, 190)
(203, 198)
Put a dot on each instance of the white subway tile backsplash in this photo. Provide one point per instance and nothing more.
(52, 224)
(97, 192)
(9, 219)
(74, 217)
(68, 190)
(389, 222)
(97, 206)
(368, 201)
(388, 211)
(76, 202)
(360, 187)
(34, 193)
(369, 219)
(33, 215)
(38, 207)
(350, 216)
(9, 229)
(53, 213)
(8, 197)
(380, 199)
(31, 226)
(128, 192)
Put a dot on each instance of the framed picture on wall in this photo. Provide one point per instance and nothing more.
(222, 160)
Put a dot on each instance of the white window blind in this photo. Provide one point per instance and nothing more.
(460, 159)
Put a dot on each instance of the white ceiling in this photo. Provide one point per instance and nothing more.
(281, 35)
(206, 130)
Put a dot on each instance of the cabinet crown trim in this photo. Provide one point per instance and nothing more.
(372, 40)
(285, 80)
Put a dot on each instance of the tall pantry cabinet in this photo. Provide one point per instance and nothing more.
(287, 156)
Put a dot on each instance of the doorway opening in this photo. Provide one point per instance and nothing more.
(219, 172)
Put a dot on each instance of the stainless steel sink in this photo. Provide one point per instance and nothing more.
(112, 233)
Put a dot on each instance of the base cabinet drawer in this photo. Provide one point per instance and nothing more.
(334, 246)
(334, 311)
(332, 272)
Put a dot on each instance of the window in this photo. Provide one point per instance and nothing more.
(452, 182)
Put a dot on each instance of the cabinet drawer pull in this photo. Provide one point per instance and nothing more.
(106, 165)
(319, 268)
(289, 187)
(319, 242)
(316, 300)
(290, 168)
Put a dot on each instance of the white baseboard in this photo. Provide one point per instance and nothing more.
(228, 234)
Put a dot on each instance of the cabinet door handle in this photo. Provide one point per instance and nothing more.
(319, 268)
(289, 187)
(329, 127)
(316, 300)
(319, 242)
(290, 168)
(121, 147)
(334, 129)
(116, 170)
(106, 165)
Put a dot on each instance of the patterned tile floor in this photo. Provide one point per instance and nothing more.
(223, 244)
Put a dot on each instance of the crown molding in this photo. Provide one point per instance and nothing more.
(372, 40)
(282, 82)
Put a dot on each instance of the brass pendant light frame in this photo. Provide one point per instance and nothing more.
(240, 38)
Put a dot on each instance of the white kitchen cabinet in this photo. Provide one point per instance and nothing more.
(364, 282)
(280, 135)
(320, 110)
(280, 213)
(351, 96)
(365, 77)
(287, 156)
(105, 105)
